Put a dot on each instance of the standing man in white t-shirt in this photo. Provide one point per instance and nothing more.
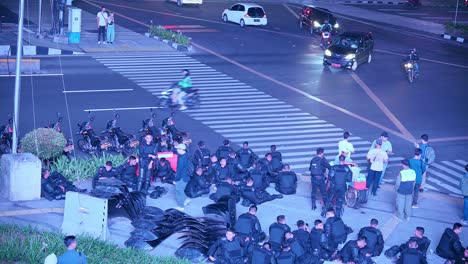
(346, 146)
(377, 157)
(102, 25)
(387, 147)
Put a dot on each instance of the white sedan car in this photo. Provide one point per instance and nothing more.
(245, 14)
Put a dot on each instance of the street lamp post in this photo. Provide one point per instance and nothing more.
(40, 18)
(456, 12)
(19, 51)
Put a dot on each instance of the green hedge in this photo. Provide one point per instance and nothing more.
(84, 168)
(175, 37)
(20, 244)
(45, 143)
(458, 30)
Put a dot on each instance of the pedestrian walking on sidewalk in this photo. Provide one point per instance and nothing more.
(427, 155)
(419, 167)
(464, 191)
(102, 24)
(405, 187)
(111, 28)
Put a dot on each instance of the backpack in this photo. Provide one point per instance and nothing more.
(316, 166)
(429, 155)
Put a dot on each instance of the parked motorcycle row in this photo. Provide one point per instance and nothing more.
(111, 139)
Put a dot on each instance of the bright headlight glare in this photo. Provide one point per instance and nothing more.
(316, 24)
(409, 65)
(350, 56)
(336, 25)
(328, 53)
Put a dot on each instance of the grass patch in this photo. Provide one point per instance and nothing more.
(84, 168)
(459, 30)
(28, 245)
(176, 37)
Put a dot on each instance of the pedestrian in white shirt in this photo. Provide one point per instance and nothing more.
(102, 24)
(387, 147)
(346, 146)
(377, 158)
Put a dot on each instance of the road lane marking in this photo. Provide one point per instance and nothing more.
(32, 211)
(291, 11)
(97, 91)
(413, 14)
(449, 139)
(33, 75)
(382, 106)
(120, 109)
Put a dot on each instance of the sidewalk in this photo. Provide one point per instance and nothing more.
(436, 213)
(126, 40)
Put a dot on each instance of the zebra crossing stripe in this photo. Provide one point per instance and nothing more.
(240, 112)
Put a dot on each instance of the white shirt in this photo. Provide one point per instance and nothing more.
(346, 146)
(377, 158)
(102, 18)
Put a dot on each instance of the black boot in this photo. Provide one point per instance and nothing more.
(314, 206)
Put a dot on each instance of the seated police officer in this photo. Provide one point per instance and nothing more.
(262, 255)
(336, 229)
(225, 188)
(229, 249)
(339, 175)
(296, 248)
(267, 167)
(105, 172)
(276, 159)
(353, 252)
(246, 156)
(261, 181)
(247, 225)
(375, 242)
(197, 185)
(164, 171)
(54, 186)
(201, 157)
(302, 235)
(237, 172)
(319, 243)
(277, 231)
(252, 195)
(423, 241)
(128, 172)
(221, 170)
(285, 256)
(224, 150)
(411, 254)
(287, 181)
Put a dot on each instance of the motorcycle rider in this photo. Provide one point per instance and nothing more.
(148, 153)
(127, 172)
(326, 27)
(183, 88)
(339, 175)
(414, 57)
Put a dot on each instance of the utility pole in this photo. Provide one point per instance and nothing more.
(19, 52)
(40, 19)
(456, 12)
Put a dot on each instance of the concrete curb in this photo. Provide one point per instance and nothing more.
(455, 38)
(11, 50)
(170, 43)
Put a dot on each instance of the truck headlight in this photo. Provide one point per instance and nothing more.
(350, 56)
(328, 53)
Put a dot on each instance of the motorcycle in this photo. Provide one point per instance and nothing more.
(120, 141)
(409, 70)
(169, 129)
(6, 135)
(325, 39)
(191, 99)
(90, 143)
(57, 127)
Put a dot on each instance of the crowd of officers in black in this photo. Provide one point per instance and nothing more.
(245, 243)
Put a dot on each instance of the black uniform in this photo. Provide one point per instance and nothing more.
(253, 196)
(336, 231)
(259, 178)
(317, 170)
(411, 256)
(261, 255)
(298, 251)
(450, 246)
(103, 173)
(339, 175)
(235, 169)
(276, 161)
(287, 182)
(303, 237)
(225, 189)
(423, 244)
(286, 257)
(197, 186)
(375, 242)
(164, 172)
(221, 173)
(267, 169)
(352, 253)
(223, 152)
(246, 157)
(247, 225)
(319, 244)
(128, 174)
(145, 173)
(228, 252)
(50, 187)
(201, 157)
(277, 232)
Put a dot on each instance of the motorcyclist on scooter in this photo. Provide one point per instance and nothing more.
(183, 88)
(413, 56)
(326, 26)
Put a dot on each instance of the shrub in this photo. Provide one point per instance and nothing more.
(459, 30)
(28, 245)
(84, 168)
(175, 37)
(45, 143)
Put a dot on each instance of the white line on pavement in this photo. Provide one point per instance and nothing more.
(272, 123)
(284, 131)
(281, 137)
(273, 107)
(120, 109)
(461, 169)
(238, 112)
(269, 128)
(443, 184)
(254, 119)
(33, 75)
(228, 104)
(97, 91)
(456, 175)
(304, 141)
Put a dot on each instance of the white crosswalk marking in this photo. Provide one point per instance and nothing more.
(241, 112)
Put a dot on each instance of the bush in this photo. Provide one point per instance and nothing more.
(45, 143)
(28, 245)
(84, 168)
(459, 30)
(175, 37)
